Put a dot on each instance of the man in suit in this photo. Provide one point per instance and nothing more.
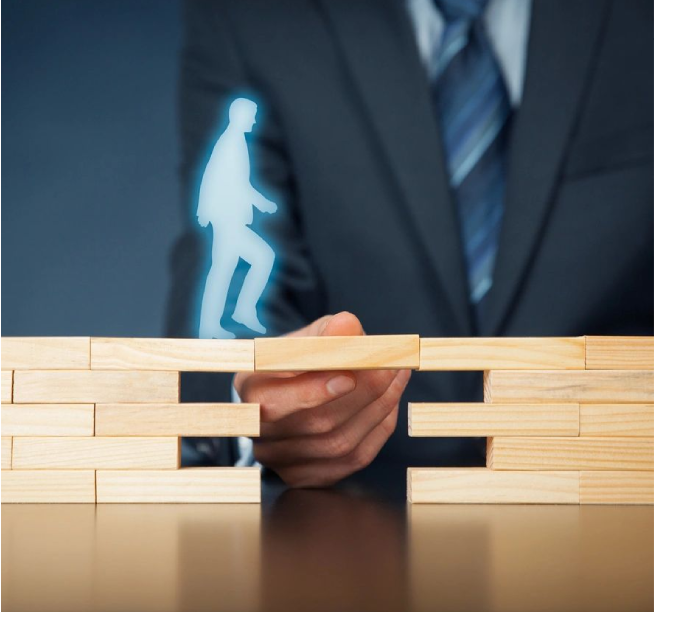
(447, 168)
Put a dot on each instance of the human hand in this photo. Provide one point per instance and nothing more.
(319, 427)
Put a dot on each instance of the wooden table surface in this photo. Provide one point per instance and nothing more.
(327, 550)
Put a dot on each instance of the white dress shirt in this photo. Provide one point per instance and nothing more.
(507, 24)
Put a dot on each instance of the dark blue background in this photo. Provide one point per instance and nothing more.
(90, 193)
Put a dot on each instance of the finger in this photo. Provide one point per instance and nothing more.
(340, 442)
(370, 387)
(280, 396)
(342, 324)
(322, 473)
(251, 387)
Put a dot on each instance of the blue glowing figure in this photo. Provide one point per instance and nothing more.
(226, 201)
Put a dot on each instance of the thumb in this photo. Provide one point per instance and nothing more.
(342, 324)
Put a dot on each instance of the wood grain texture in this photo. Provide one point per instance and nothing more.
(187, 485)
(48, 420)
(570, 453)
(45, 353)
(6, 453)
(337, 353)
(174, 354)
(186, 420)
(7, 383)
(616, 488)
(479, 354)
(89, 387)
(489, 420)
(479, 485)
(620, 352)
(616, 420)
(568, 386)
(45, 486)
(82, 453)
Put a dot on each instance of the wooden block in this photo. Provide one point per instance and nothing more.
(620, 352)
(572, 453)
(186, 420)
(6, 453)
(324, 353)
(616, 488)
(88, 387)
(45, 353)
(174, 354)
(7, 385)
(480, 485)
(568, 386)
(491, 420)
(48, 420)
(479, 354)
(616, 420)
(82, 453)
(187, 485)
(45, 486)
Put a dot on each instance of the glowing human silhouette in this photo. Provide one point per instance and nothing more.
(226, 201)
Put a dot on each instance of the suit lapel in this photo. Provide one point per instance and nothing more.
(377, 43)
(564, 36)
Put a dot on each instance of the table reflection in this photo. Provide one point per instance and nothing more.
(487, 557)
(326, 550)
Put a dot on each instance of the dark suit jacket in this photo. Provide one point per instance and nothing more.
(347, 142)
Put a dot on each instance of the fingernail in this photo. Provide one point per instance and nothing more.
(340, 385)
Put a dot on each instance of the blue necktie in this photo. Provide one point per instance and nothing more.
(473, 108)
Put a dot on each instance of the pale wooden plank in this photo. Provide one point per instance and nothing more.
(48, 420)
(187, 485)
(479, 354)
(568, 386)
(620, 352)
(479, 485)
(187, 420)
(88, 387)
(570, 453)
(616, 420)
(616, 488)
(6, 453)
(81, 453)
(7, 385)
(172, 354)
(323, 353)
(45, 353)
(45, 486)
(489, 420)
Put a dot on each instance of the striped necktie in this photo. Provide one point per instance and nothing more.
(473, 108)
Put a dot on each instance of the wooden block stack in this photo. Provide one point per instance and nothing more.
(567, 420)
(99, 420)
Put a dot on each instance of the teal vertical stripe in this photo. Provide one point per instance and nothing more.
(663, 420)
(663, 487)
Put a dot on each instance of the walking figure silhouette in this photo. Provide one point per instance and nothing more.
(226, 201)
